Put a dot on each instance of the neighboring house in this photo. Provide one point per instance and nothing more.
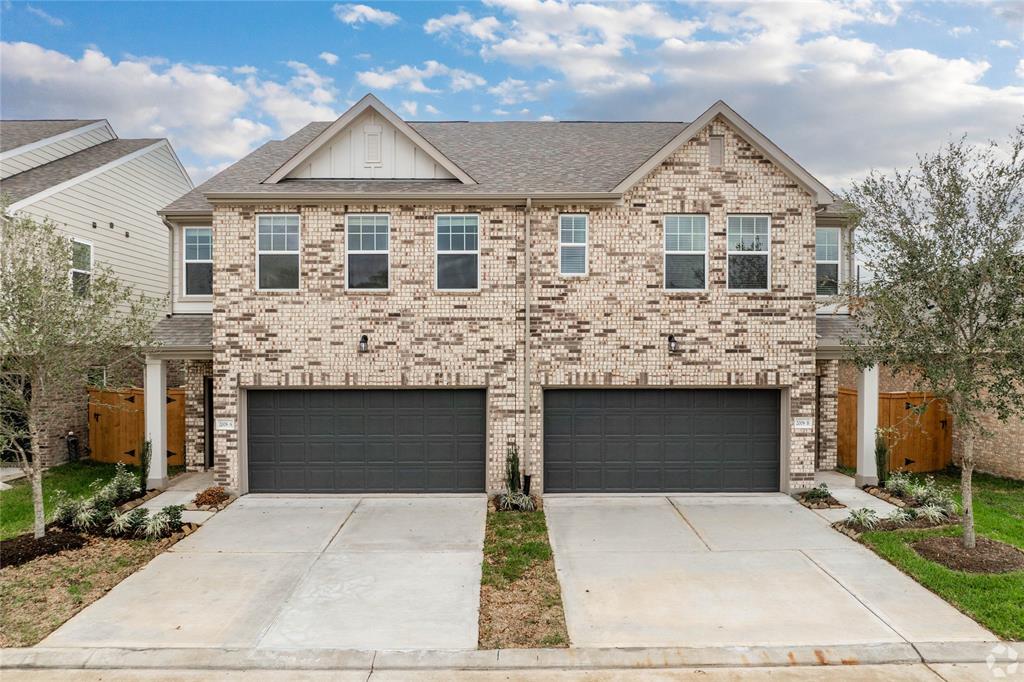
(103, 193)
(377, 305)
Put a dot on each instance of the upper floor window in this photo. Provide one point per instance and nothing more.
(198, 261)
(748, 248)
(81, 267)
(367, 253)
(572, 244)
(277, 252)
(686, 251)
(458, 252)
(827, 259)
(716, 151)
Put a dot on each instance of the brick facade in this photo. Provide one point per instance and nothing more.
(195, 418)
(828, 413)
(606, 329)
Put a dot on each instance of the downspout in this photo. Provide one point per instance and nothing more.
(526, 339)
(170, 264)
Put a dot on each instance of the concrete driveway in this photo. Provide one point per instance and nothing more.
(304, 572)
(731, 570)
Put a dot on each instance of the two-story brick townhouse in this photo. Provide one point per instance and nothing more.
(102, 192)
(378, 305)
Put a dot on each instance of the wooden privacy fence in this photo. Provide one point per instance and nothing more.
(918, 442)
(117, 425)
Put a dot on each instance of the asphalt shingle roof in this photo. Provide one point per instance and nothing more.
(14, 134)
(43, 177)
(504, 157)
(184, 331)
(834, 328)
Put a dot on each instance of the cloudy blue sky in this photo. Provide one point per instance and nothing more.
(843, 86)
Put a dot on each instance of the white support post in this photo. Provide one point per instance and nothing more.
(155, 401)
(867, 424)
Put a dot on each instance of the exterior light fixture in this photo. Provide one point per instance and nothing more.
(364, 343)
(673, 345)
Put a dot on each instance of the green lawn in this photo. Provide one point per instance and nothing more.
(73, 477)
(995, 601)
(514, 541)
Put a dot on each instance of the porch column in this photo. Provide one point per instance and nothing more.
(155, 401)
(867, 424)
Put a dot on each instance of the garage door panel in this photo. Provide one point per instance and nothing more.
(653, 440)
(366, 440)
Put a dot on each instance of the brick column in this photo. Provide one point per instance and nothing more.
(828, 413)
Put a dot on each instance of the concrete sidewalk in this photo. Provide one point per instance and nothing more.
(844, 489)
(924, 661)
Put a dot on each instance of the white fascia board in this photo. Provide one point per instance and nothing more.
(25, 148)
(50, 191)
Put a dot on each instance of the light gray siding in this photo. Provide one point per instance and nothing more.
(55, 149)
(137, 247)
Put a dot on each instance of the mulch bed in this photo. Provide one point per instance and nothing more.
(988, 556)
(883, 494)
(23, 548)
(826, 503)
(885, 524)
(525, 614)
(211, 497)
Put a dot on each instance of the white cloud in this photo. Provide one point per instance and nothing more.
(363, 56)
(546, 117)
(409, 107)
(958, 31)
(1004, 43)
(413, 78)
(431, 109)
(524, 112)
(45, 16)
(244, 70)
(360, 14)
(329, 57)
(481, 29)
(499, 112)
(307, 96)
(1020, 69)
(513, 91)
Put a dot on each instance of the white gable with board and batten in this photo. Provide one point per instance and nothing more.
(370, 141)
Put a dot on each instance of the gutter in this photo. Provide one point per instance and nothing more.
(399, 197)
(526, 336)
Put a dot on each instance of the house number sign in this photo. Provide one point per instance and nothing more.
(803, 423)
(225, 424)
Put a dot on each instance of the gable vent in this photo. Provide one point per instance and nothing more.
(716, 150)
(372, 134)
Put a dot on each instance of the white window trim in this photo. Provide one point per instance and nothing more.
(348, 252)
(665, 253)
(586, 245)
(259, 253)
(838, 262)
(730, 252)
(92, 260)
(184, 271)
(438, 252)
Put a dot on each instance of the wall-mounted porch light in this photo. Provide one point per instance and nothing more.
(364, 343)
(673, 345)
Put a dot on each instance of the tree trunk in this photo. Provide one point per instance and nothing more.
(966, 470)
(35, 475)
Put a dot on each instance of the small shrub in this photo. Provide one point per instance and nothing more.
(898, 483)
(863, 518)
(513, 480)
(87, 518)
(933, 513)
(881, 456)
(514, 502)
(125, 524)
(211, 496)
(900, 517)
(124, 486)
(173, 514)
(819, 492)
(65, 510)
(144, 460)
(157, 526)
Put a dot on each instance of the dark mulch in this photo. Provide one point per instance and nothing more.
(211, 497)
(916, 524)
(24, 548)
(989, 556)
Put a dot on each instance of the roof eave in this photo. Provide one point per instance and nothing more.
(449, 197)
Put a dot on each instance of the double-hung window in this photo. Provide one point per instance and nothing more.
(827, 260)
(458, 252)
(686, 238)
(572, 245)
(198, 261)
(367, 252)
(749, 246)
(277, 257)
(81, 267)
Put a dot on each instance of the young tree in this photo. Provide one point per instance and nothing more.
(945, 243)
(54, 327)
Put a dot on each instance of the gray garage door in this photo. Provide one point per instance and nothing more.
(623, 440)
(353, 441)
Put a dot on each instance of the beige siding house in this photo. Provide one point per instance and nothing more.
(380, 305)
(103, 192)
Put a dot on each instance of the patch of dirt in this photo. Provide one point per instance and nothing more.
(24, 548)
(821, 502)
(211, 497)
(988, 556)
(525, 613)
(40, 595)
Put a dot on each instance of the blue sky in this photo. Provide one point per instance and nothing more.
(844, 86)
